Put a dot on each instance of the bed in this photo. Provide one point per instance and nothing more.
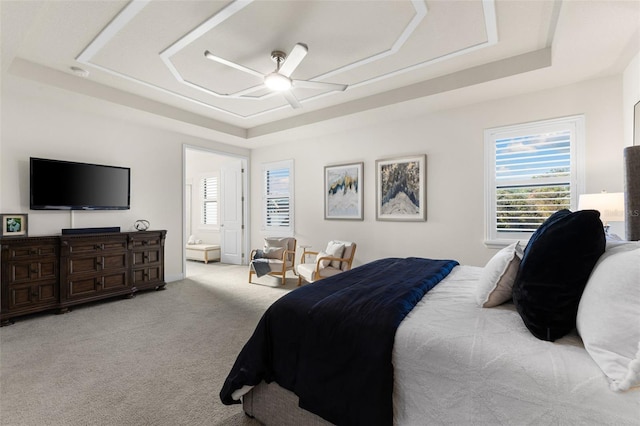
(459, 357)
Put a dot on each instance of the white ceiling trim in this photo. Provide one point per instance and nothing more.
(112, 28)
(419, 6)
(135, 6)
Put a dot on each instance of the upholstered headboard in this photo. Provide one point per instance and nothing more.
(632, 192)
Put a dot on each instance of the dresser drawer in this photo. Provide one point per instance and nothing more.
(27, 271)
(96, 285)
(145, 257)
(96, 264)
(33, 295)
(87, 247)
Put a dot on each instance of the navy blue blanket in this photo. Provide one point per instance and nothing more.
(331, 342)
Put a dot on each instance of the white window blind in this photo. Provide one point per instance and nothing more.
(278, 197)
(210, 200)
(532, 172)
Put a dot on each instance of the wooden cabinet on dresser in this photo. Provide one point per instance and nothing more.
(147, 260)
(57, 272)
(93, 267)
(29, 276)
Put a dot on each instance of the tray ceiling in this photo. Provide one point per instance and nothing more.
(154, 50)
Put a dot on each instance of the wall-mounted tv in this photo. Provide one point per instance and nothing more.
(66, 185)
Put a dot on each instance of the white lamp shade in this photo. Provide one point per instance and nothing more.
(610, 205)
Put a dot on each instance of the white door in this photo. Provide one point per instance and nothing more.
(231, 215)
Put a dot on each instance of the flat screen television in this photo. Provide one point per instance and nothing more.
(66, 185)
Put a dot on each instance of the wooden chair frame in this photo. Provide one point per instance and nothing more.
(316, 273)
(285, 268)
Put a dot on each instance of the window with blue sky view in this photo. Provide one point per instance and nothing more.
(532, 172)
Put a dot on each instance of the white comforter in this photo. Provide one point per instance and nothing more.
(457, 363)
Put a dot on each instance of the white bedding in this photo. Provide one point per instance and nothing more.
(458, 363)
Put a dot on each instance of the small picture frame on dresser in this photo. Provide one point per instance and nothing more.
(14, 225)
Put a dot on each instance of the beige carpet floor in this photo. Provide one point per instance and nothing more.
(157, 359)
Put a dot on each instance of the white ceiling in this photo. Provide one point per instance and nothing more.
(149, 55)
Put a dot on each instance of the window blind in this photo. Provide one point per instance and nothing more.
(277, 195)
(210, 200)
(532, 179)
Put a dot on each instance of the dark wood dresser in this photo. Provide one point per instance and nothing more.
(57, 272)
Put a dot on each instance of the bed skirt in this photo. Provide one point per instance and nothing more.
(271, 404)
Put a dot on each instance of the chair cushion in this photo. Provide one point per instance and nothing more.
(276, 242)
(273, 252)
(348, 253)
(306, 270)
(324, 262)
(335, 249)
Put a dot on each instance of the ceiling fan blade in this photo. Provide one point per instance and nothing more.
(223, 61)
(305, 84)
(294, 58)
(292, 99)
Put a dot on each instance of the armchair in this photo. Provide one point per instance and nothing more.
(275, 258)
(336, 258)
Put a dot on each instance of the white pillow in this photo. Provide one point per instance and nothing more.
(275, 242)
(323, 263)
(273, 252)
(498, 275)
(335, 249)
(608, 317)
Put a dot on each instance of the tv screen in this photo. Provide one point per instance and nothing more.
(65, 185)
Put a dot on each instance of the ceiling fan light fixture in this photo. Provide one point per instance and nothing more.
(277, 82)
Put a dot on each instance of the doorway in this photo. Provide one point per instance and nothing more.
(215, 210)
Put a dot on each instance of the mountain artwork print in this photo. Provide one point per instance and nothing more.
(343, 191)
(401, 188)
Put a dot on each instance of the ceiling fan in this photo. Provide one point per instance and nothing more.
(280, 80)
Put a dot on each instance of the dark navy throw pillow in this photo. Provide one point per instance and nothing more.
(554, 270)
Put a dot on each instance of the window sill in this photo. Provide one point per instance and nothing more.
(499, 244)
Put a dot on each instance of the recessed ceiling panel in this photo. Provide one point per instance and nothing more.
(155, 49)
(385, 38)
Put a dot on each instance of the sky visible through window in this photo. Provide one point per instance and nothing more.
(535, 156)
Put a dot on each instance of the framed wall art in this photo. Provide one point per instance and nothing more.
(343, 192)
(401, 193)
(14, 225)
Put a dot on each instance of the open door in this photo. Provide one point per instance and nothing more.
(231, 229)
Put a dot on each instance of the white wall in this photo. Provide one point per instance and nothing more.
(453, 142)
(40, 126)
(631, 96)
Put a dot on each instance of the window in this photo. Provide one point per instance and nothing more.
(532, 171)
(278, 197)
(209, 186)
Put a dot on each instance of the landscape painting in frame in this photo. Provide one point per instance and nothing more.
(401, 189)
(343, 192)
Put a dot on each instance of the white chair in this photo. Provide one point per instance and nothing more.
(278, 253)
(336, 258)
